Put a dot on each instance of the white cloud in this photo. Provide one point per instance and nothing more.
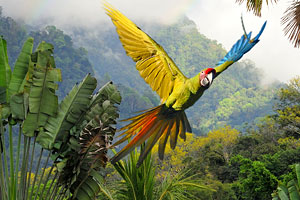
(217, 19)
(220, 20)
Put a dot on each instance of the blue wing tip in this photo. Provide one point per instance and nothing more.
(261, 31)
(242, 46)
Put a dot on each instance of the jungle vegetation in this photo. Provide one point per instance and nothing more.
(245, 144)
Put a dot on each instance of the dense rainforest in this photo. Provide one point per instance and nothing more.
(245, 137)
(234, 98)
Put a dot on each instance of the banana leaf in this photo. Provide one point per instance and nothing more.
(5, 72)
(107, 92)
(81, 171)
(290, 191)
(19, 105)
(293, 190)
(297, 167)
(70, 110)
(20, 68)
(43, 103)
(90, 186)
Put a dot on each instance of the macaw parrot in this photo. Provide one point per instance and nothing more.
(176, 91)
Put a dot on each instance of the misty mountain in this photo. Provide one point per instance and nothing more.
(236, 98)
(72, 61)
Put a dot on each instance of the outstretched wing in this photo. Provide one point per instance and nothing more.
(153, 63)
(241, 47)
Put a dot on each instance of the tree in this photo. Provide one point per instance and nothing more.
(288, 108)
(75, 133)
(291, 17)
(255, 181)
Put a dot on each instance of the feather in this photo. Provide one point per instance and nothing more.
(137, 140)
(151, 141)
(140, 46)
(140, 64)
(147, 70)
(145, 64)
(182, 130)
(174, 133)
(154, 74)
(163, 140)
(187, 124)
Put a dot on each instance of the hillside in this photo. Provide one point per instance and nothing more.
(73, 61)
(233, 99)
(246, 139)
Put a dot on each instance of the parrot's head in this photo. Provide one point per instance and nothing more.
(206, 77)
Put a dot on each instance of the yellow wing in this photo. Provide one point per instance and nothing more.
(153, 63)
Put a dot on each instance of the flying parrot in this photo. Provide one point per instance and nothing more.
(176, 91)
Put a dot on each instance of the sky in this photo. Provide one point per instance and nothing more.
(217, 19)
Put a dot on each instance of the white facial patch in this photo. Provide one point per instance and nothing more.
(206, 82)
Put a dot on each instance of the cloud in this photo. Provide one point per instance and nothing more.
(90, 12)
(217, 19)
(220, 20)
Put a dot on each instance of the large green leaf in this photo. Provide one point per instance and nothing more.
(293, 190)
(90, 186)
(21, 67)
(5, 72)
(107, 92)
(70, 110)
(290, 191)
(19, 105)
(97, 129)
(4, 111)
(297, 167)
(43, 102)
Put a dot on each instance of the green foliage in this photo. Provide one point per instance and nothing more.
(70, 110)
(42, 101)
(15, 34)
(289, 191)
(256, 181)
(5, 73)
(85, 155)
(279, 162)
(139, 182)
(192, 52)
(77, 133)
(133, 101)
(233, 99)
(21, 68)
(288, 108)
(180, 187)
(73, 62)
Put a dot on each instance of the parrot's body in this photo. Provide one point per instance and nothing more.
(176, 91)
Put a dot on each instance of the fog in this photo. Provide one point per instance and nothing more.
(217, 19)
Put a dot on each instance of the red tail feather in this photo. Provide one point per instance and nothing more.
(156, 124)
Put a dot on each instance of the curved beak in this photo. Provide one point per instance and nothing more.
(207, 81)
(210, 77)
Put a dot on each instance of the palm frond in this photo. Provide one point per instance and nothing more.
(255, 5)
(180, 186)
(291, 20)
(138, 182)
